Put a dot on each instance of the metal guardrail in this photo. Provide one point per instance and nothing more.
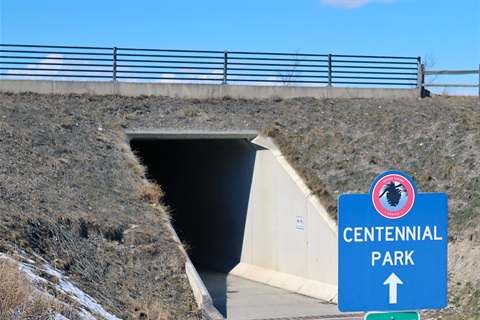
(162, 65)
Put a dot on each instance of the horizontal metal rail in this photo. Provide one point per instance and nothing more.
(171, 50)
(276, 65)
(43, 76)
(375, 67)
(115, 63)
(16, 59)
(169, 61)
(55, 64)
(167, 56)
(376, 62)
(56, 47)
(63, 70)
(58, 52)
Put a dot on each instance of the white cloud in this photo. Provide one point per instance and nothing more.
(55, 67)
(351, 4)
(166, 78)
(52, 61)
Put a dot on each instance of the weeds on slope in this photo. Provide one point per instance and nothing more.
(19, 298)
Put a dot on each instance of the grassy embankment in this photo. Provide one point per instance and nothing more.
(72, 191)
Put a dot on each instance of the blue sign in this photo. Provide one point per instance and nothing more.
(392, 247)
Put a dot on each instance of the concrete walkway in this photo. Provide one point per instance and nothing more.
(241, 299)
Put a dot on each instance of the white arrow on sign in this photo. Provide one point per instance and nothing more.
(393, 281)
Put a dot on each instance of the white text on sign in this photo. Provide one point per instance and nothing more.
(397, 258)
(391, 233)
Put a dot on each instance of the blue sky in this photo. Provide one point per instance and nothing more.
(448, 32)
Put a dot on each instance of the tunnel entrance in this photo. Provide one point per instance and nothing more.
(236, 203)
(207, 181)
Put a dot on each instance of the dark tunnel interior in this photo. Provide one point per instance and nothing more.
(207, 186)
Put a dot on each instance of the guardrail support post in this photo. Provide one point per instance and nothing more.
(114, 64)
(420, 78)
(225, 68)
(329, 70)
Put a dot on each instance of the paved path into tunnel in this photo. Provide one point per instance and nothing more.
(241, 299)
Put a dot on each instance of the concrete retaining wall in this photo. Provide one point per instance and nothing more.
(278, 251)
(199, 91)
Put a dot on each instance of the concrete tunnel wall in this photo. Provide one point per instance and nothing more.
(277, 251)
(235, 203)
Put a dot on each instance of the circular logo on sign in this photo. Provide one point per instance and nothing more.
(393, 196)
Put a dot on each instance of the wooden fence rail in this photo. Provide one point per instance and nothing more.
(448, 72)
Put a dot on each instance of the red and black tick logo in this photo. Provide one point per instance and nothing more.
(393, 195)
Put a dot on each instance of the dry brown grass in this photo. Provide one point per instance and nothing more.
(150, 192)
(132, 160)
(19, 299)
(70, 189)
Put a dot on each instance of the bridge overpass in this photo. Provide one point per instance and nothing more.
(242, 208)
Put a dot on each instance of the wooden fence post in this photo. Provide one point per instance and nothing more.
(420, 77)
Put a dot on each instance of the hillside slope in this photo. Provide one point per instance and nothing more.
(72, 191)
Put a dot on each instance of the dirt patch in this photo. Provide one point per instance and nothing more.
(72, 191)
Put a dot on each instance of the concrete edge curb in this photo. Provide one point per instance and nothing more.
(202, 296)
(307, 287)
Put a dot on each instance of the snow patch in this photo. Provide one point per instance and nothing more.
(88, 305)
